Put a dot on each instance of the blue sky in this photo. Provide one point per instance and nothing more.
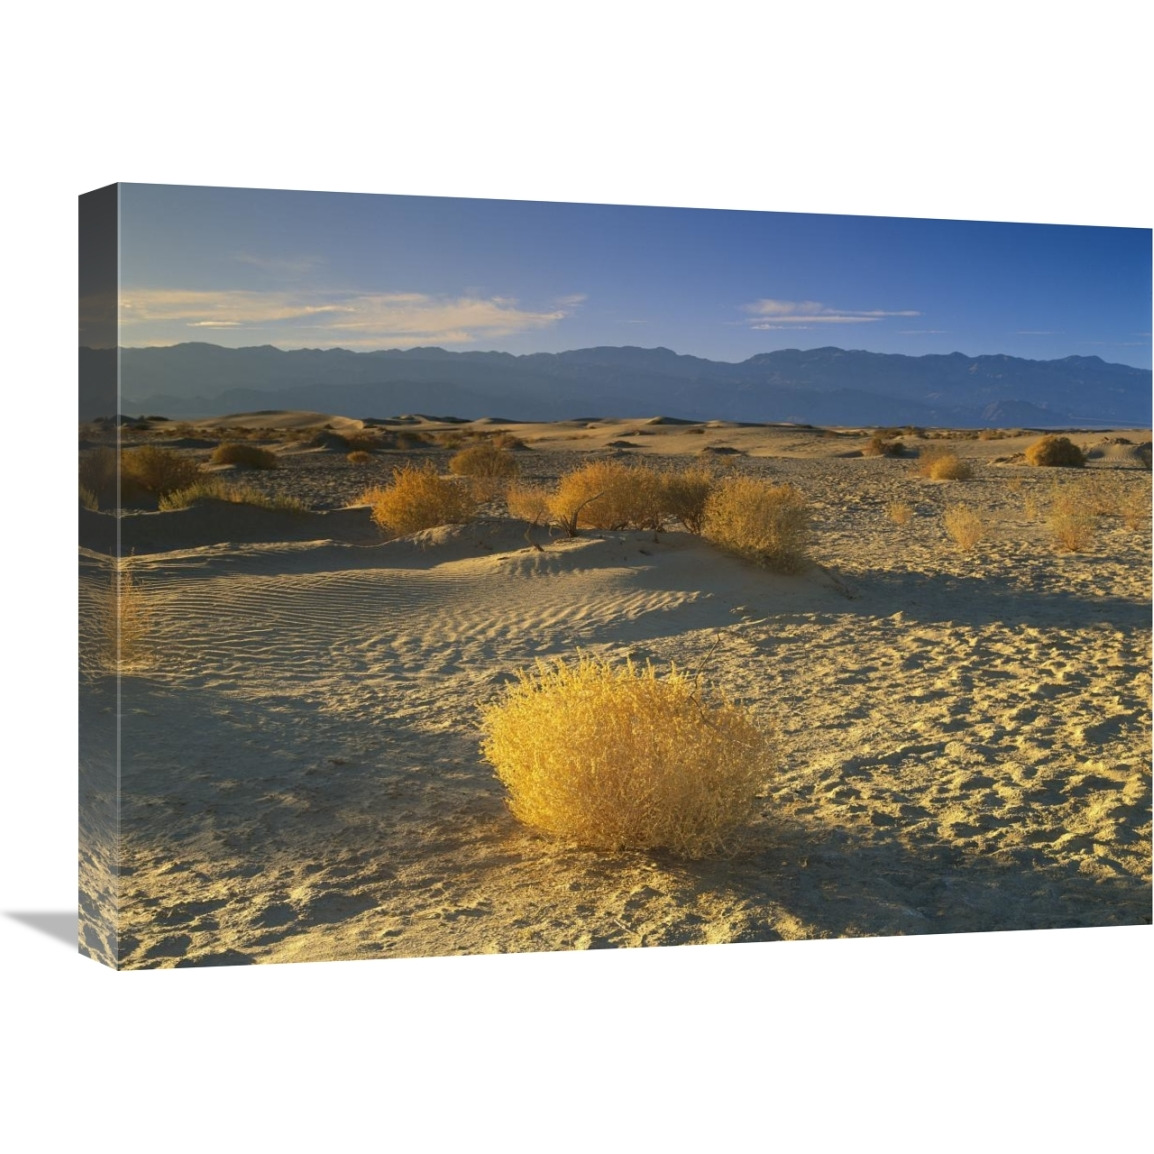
(242, 267)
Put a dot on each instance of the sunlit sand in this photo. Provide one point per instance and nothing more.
(965, 735)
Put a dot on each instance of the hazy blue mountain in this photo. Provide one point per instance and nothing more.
(820, 386)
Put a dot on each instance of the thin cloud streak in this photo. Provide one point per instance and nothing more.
(360, 318)
(770, 314)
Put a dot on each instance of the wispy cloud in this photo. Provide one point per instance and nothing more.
(922, 332)
(770, 314)
(364, 319)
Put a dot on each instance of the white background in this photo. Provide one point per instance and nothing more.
(987, 111)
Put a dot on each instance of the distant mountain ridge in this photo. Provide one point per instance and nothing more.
(818, 386)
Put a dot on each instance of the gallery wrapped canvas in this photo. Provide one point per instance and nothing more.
(463, 576)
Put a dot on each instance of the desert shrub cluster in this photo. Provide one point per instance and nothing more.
(879, 445)
(146, 472)
(942, 464)
(964, 526)
(217, 489)
(608, 495)
(489, 469)
(764, 522)
(686, 492)
(1055, 452)
(618, 757)
(419, 498)
(245, 455)
(528, 502)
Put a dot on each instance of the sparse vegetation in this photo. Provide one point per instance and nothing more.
(767, 523)
(1071, 518)
(617, 757)
(899, 512)
(1134, 509)
(964, 526)
(419, 498)
(942, 464)
(125, 614)
(528, 503)
(488, 468)
(1055, 452)
(154, 471)
(217, 489)
(359, 457)
(686, 492)
(880, 445)
(245, 455)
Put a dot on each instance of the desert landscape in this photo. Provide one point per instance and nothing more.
(956, 678)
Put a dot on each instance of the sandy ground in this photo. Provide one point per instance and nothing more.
(965, 736)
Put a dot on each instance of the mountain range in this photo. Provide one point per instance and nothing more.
(816, 386)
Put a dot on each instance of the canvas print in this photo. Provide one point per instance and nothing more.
(469, 576)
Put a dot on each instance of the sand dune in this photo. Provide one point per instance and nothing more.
(965, 737)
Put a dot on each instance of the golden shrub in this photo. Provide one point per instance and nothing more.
(1055, 452)
(964, 526)
(880, 445)
(686, 492)
(617, 757)
(488, 468)
(608, 495)
(942, 464)
(359, 457)
(767, 523)
(217, 489)
(484, 460)
(899, 512)
(528, 503)
(98, 476)
(245, 455)
(126, 619)
(419, 498)
(156, 471)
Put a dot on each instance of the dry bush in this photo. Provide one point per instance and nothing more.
(608, 495)
(98, 475)
(617, 757)
(1055, 452)
(899, 512)
(941, 464)
(964, 526)
(1030, 507)
(419, 498)
(1073, 530)
(217, 489)
(528, 503)
(686, 492)
(88, 500)
(247, 456)
(126, 619)
(155, 471)
(359, 457)
(488, 468)
(767, 523)
(881, 446)
(1134, 509)
(506, 440)
(484, 460)
(1071, 518)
